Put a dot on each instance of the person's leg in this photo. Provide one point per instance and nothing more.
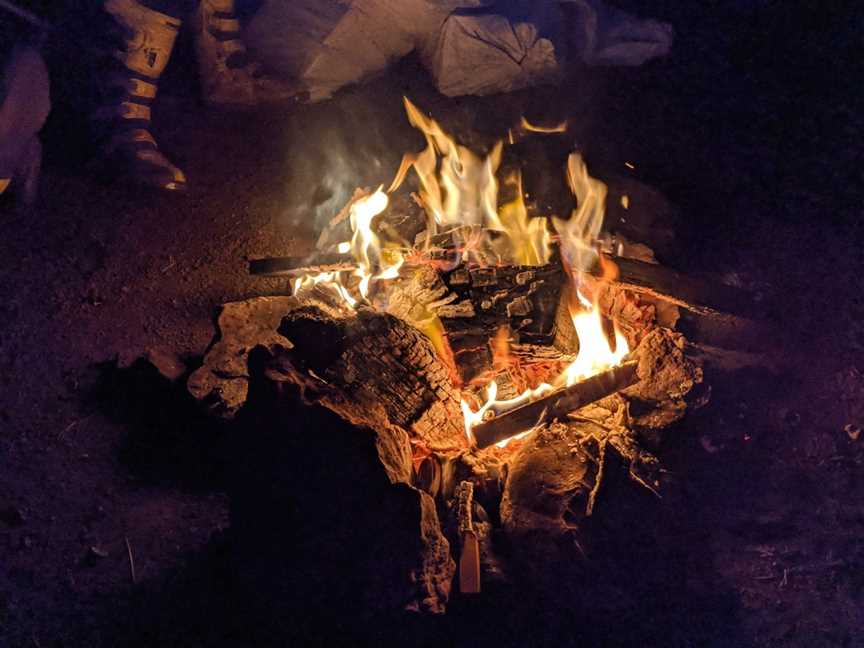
(140, 44)
(24, 105)
(228, 77)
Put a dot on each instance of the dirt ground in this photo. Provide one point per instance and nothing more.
(751, 128)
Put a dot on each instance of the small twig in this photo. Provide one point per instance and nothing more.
(71, 425)
(68, 427)
(601, 463)
(644, 483)
(131, 561)
(171, 263)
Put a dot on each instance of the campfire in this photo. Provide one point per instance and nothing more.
(467, 238)
(494, 354)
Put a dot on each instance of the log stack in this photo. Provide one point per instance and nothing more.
(523, 300)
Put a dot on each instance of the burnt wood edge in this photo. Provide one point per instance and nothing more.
(555, 405)
(695, 294)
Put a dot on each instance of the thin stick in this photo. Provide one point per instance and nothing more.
(23, 14)
(131, 560)
(592, 496)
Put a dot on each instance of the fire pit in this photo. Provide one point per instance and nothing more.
(450, 369)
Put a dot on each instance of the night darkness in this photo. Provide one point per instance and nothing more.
(134, 513)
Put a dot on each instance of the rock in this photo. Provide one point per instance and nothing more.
(324, 517)
(667, 376)
(222, 383)
(437, 567)
(166, 363)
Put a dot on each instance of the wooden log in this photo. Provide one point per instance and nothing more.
(698, 295)
(554, 406)
(373, 368)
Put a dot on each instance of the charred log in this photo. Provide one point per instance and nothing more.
(694, 294)
(371, 368)
(524, 299)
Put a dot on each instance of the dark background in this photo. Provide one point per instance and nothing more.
(752, 127)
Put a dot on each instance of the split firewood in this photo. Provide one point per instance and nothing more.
(524, 299)
(482, 298)
(554, 406)
(700, 296)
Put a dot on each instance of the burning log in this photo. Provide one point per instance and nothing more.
(369, 367)
(554, 406)
(479, 300)
(702, 297)
(706, 311)
(524, 299)
(372, 368)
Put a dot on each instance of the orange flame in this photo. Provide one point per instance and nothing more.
(577, 237)
(461, 189)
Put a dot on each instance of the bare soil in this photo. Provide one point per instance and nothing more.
(750, 128)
